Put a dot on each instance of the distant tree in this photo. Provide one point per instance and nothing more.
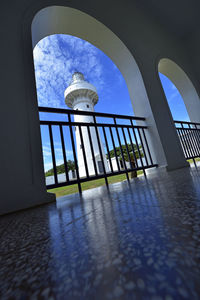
(126, 156)
(71, 165)
(61, 168)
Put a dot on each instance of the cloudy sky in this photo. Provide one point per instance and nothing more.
(56, 58)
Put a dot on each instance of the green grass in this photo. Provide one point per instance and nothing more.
(191, 160)
(71, 189)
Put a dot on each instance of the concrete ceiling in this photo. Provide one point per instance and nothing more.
(180, 17)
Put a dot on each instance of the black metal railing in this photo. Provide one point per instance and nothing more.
(189, 136)
(122, 147)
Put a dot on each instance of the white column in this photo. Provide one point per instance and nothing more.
(164, 141)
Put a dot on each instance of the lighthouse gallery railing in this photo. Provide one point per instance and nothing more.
(126, 145)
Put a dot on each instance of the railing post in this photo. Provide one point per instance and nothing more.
(190, 139)
(74, 153)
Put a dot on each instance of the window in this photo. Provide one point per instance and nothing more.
(88, 106)
(100, 166)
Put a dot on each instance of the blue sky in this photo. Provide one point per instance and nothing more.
(174, 99)
(56, 58)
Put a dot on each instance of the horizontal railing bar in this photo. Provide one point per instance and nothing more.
(89, 124)
(51, 186)
(190, 157)
(87, 113)
(186, 122)
(188, 129)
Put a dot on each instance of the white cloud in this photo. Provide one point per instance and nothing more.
(58, 151)
(47, 156)
(173, 95)
(173, 87)
(46, 151)
(48, 166)
(56, 57)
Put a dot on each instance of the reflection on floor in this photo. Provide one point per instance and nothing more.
(137, 241)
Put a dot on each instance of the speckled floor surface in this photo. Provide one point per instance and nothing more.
(137, 241)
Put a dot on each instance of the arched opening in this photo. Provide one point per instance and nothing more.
(66, 20)
(184, 104)
(174, 99)
(63, 20)
(56, 57)
(184, 85)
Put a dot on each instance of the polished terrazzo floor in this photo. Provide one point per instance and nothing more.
(136, 241)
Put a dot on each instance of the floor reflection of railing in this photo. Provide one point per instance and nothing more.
(132, 228)
(102, 218)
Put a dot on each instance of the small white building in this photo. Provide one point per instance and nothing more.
(121, 164)
(115, 164)
(81, 95)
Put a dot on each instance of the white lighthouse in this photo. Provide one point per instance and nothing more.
(81, 95)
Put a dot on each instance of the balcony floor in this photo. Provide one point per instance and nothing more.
(137, 241)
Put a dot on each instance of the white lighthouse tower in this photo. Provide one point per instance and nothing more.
(81, 95)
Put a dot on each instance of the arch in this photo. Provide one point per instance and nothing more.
(185, 86)
(59, 19)
(67, 20)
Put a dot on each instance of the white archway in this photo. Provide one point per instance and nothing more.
(187, 90)
(66, 20)
(57, 19)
